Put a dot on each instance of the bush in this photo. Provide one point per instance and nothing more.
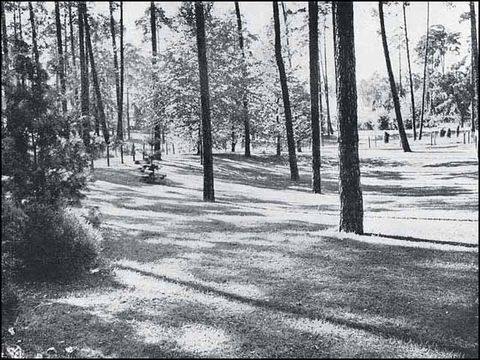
(57, 244)
(384, 122)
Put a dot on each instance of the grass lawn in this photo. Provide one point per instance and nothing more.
(263, 272)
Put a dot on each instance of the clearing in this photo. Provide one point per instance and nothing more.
(263, 272)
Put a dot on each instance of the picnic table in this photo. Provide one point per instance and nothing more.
(149, 170)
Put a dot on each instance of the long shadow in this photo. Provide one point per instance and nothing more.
(414, 239)
(293, 310)
(452, 164)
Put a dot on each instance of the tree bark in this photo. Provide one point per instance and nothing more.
(314, 79)
(115, 66)
(351, 202)
(128, 115)
(422, 114)
(289, 54)
(5, 59)
(325, 83)
(96, 85)
(396, 102)
(286, 100)
(122, 78)
(412, 98)
(474, 71)
(61, 62)
(84, 84)
(208, 185)
(36, 55)
(153, 29)
(246, 121)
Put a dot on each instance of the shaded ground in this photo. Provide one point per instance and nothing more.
(263, 272)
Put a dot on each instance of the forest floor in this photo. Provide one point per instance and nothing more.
(264, 272)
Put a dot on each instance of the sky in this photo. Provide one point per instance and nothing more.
(368, 46)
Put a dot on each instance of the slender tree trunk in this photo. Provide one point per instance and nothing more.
(65, 33)
(334, 28)
(84, 83)
(246, 121)
(351, 202)
(5, 59)
(422, 114)
(36, 81)
(412, 98)
(396, 102)
(128, 116)
(115, 64)
(325, 74)
(208, 185)
(122, 79)
(474, 70)
(36, 55)
(289, 54)
(96, 85)
(153, 29)
(20, 30)
(320, 97)
(286, 100)
(314, 80)
(61, 63)
(72, 50)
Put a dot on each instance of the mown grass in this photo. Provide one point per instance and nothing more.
(265, 276)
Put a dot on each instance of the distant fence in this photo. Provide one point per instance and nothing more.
(432, 137)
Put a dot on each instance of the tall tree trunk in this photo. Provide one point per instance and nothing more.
(286, 100)
(412, 98)
(208, 186)
(320, 97)
(128, 116)
(122, 78)
(153, 29)
(289, 54)
(474, 71)
(5, 59)
(396, 102)
(61, 62)
(115, 65)
(65, 34)
(314, 80)
(36, 81)
(351, 202)
(96, 85)
(72, 50)
(334, 29)
(425, 61)
(20, 30)
(325, 75)
(36, 55)
(246, 121)
(84, 83)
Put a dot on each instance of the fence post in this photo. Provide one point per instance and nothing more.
(133, 151)
(464, 140)
(375, 139)
(108, 154)
(431, 139)
(369, 142)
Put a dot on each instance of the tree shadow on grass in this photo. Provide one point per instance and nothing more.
(282, 305)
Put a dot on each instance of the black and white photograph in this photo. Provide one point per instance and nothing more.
(239, 179)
